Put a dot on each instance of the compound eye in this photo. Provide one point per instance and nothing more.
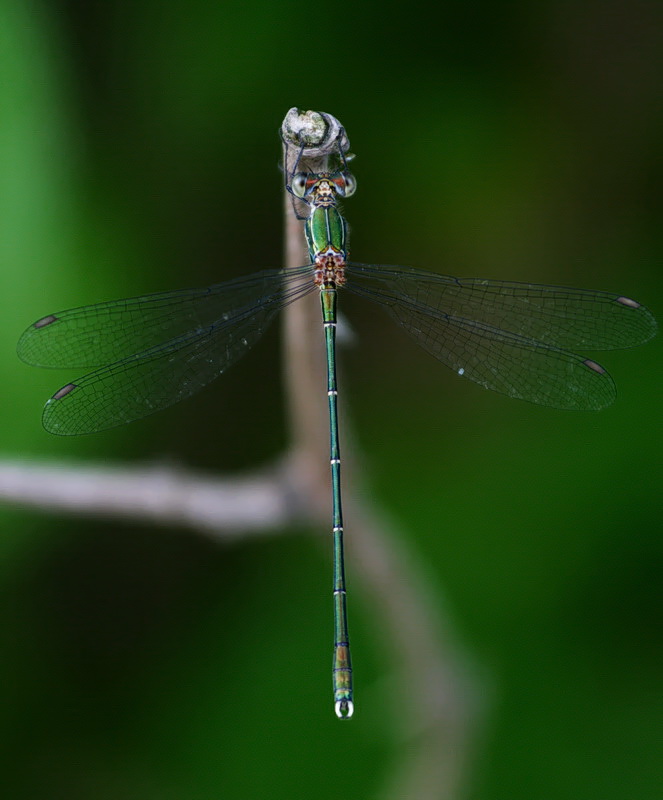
(298, 185)
(350, 184)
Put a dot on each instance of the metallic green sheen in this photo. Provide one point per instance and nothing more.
(325, 228)
(342, 663)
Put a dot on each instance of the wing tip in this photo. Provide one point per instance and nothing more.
(647, 320)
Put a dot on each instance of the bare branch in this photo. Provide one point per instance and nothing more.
(227, 508)
(432, 693)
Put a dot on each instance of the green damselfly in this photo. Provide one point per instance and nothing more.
(150, 352)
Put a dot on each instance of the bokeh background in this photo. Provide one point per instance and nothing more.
(139, 152)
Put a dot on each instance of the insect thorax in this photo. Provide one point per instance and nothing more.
(326, 235)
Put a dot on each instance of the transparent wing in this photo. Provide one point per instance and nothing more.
(553, 315)
(100, 334)
(507, 336)
(166, 373)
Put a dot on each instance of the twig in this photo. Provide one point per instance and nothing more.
(225, 508)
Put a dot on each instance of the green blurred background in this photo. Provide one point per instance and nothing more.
(139, 152)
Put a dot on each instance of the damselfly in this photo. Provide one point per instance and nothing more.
(152, 351)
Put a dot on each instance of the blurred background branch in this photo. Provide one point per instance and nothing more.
(222, 508)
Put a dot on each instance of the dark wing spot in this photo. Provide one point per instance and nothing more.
(44, 321)
(626, 301)
(593, 365)
(64, 391)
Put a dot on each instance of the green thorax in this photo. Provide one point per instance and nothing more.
(326, 231)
